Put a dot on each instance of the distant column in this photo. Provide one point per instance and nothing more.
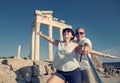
(19, 51)
(37, 42)
(50, 46)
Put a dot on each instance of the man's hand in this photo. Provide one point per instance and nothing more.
(85, 49)
(110, 56)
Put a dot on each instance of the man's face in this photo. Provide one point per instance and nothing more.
(80, 33)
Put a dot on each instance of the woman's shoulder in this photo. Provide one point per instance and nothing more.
(74, 43)
(60, 42)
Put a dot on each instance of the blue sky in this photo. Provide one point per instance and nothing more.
(101, 19)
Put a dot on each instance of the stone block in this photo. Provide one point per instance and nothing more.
(4, 67)
(7, 76)
(41, 64)
(26, 73)
(16, 64)
(1, 61)
(35, 70)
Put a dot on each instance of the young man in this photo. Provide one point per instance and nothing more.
(86, 74)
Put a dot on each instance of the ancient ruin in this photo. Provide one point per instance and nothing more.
(46, 18)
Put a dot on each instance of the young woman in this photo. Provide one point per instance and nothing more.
(67, 67)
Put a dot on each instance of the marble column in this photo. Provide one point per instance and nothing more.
(50, 46)
(60, 33)
(37, 41)
(32, 49)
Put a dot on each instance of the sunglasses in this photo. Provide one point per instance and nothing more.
(66, 30)
(80, 33)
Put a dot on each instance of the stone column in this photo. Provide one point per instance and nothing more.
(19, 51)
(32, 49)
(37, 41)
(60, 33)
(50, 46)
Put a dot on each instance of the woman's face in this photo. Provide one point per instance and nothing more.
(67, 34)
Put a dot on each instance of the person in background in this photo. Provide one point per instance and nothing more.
(106, 70)
(86, 73)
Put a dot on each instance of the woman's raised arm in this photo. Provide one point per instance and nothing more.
(55, 42)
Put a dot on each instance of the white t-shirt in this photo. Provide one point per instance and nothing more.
(64, 59)
(84, 64)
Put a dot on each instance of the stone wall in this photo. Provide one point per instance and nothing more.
(25, 71)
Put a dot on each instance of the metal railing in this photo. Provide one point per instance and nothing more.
(94, 71)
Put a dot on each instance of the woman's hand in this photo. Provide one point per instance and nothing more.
(39, 33)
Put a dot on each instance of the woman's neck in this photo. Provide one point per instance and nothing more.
(66, 42)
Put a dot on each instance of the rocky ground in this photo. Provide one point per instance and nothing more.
(28, 71)
(24, 71)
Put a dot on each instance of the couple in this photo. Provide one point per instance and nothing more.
(66, 59)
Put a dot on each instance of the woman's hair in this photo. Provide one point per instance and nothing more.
(68, 29)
